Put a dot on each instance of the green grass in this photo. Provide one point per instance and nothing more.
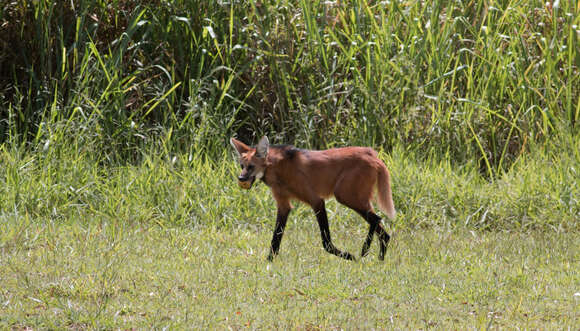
(173, 242)
(92, 275)
(477, 80)
(118, 203)
(67, 185)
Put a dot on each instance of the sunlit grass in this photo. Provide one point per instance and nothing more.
(118, 205)
(92, 275)
(173, 242)
(540, 192)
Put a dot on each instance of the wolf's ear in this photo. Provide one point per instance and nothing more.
(262, 148)
(239, 146)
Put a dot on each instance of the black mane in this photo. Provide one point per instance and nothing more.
(289, 151)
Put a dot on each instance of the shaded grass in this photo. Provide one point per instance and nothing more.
(96, 275)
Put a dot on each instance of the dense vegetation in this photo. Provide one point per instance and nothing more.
(474, 80)
(118, 204)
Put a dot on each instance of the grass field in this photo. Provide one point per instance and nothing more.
(175, 243)
(107, 276)
(118, 202)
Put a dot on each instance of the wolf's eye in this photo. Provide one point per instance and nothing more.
(242, 166)
(250, 167)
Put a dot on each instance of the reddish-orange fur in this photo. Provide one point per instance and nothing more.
(350, 174)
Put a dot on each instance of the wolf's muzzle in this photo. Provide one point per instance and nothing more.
(245, 182)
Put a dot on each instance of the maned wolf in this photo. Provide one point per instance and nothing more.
(350, 174)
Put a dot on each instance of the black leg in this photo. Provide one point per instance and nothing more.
(368, 240)
(281, 219)
(322, 219)
(384, 237)
(374, 226)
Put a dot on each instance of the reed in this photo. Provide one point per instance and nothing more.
(468, 79)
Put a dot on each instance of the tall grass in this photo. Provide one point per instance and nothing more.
(114, 119)
(470, 79)
(65, 184)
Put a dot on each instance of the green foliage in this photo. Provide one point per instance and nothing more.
(66, 183)
(540, 192)
(118, 203)
(474, 79)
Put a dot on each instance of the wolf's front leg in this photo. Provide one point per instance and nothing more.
(281, 219)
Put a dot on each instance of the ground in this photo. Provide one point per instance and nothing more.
(132, 276)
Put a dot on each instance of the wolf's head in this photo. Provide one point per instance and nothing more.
(252, 161)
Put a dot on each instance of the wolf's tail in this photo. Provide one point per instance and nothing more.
(385, 196)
